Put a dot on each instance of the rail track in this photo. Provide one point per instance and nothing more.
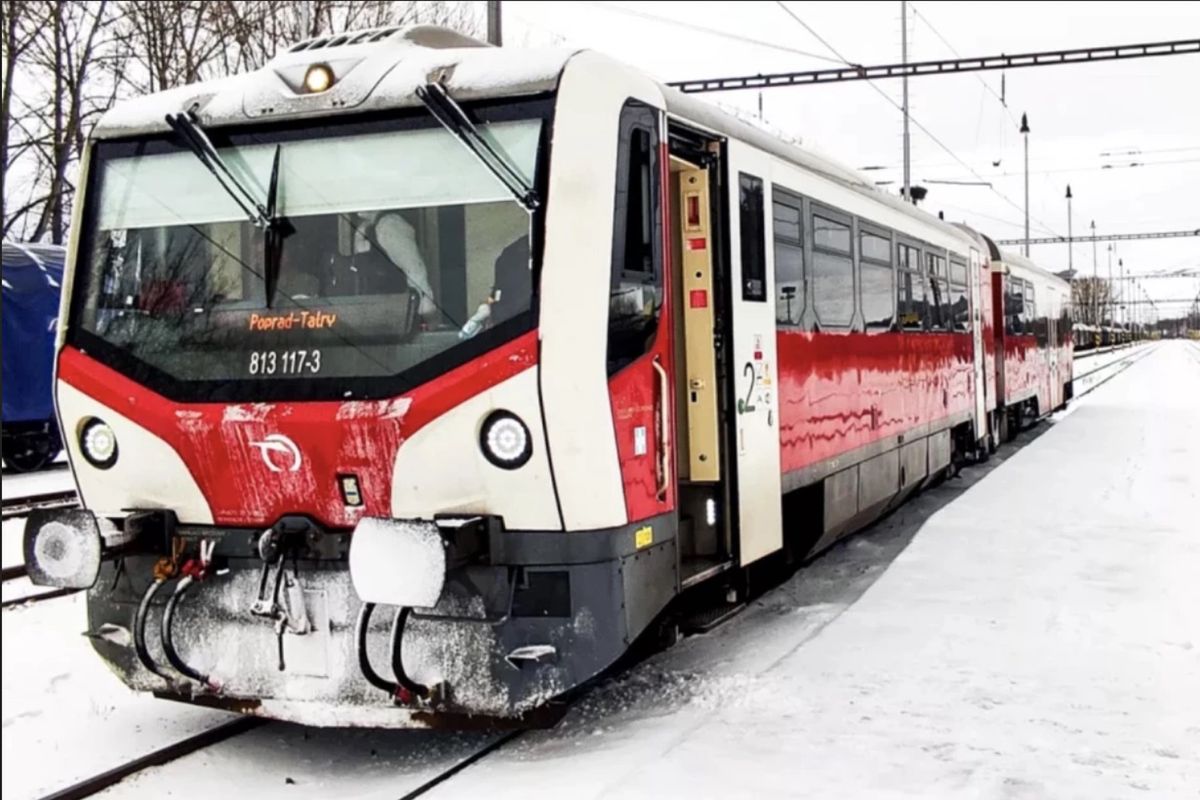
(164, 755)
(1118, 366)
(21, 506)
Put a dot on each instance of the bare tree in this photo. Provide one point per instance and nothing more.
(17, 35)
(66, 62)
(1090, 298)
(172, 42)
(64, 56)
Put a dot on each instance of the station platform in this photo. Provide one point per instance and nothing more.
(1036, 636)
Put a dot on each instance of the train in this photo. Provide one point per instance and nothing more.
(33, 275)
(1088, 337)
(410, 381)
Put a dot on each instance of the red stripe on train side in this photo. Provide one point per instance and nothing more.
(841, 391)
(216, 440)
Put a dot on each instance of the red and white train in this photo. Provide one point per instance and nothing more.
(520, 345)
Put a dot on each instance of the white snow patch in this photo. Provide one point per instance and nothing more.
(253, 412)
(374, 409)
(397, 562)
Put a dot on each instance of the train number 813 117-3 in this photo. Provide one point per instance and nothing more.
(285, 362)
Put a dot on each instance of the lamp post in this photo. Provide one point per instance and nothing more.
(1121, 278)
(1110, 285)
(904, 84)
(1025, 133)
(1070, 237)
(1095, 280)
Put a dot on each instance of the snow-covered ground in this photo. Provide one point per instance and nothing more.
(55, 478)
(1028, 630)
(65, 716)
(1039, 637)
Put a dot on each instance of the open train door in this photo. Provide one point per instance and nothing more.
(728, 441)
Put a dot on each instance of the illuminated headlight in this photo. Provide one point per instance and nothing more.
(318, 78)
(505, 440)
(98, 443)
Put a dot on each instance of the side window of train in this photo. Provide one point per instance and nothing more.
(878, 290)
(753, 235)
(939, 291)
(636, 293)
(789, 259)
(910, 288)
(1033, 323)
(832, 269)
(960, 302)
(1014, 297)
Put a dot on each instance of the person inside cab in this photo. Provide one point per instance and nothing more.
(511, 287)
(387, 259)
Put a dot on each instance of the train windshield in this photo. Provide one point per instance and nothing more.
(400, 253)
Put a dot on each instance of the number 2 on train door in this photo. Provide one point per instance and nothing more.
(746, 406)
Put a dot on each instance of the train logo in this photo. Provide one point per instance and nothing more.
(278, 443)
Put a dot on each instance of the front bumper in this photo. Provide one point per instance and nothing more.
(523, 619)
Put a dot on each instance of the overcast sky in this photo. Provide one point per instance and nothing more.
(1077, 113)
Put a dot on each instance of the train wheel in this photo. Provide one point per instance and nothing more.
(29, 453)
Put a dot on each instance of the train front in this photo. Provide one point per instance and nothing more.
(299, 388)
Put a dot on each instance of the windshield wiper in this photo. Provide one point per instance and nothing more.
(446, 111)
(202, 147)
(276, 229)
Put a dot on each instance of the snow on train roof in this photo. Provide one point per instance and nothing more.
(381, 68)
(375, 69)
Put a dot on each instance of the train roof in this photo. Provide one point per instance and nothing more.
(380, 69)
(1027, 268)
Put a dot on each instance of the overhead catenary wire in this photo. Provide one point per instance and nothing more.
(915, 122)
(712, 31)
(1003, 102)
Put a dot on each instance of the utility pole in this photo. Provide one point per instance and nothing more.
(493, 23)
(904, 80)
(1121, 273)
(1110, 284)
(1070, 236)
(1025, 133)
(1095, 279)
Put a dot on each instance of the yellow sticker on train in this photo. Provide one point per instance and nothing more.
(644, 537)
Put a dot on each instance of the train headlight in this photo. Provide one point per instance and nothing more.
(505, 440)
(98, 443)
(318, 78)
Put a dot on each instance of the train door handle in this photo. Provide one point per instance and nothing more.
(664, 436)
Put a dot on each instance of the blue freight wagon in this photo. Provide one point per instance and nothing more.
(32, 285)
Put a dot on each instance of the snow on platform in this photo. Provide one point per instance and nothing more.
(1028, 630)
(1039, 637)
